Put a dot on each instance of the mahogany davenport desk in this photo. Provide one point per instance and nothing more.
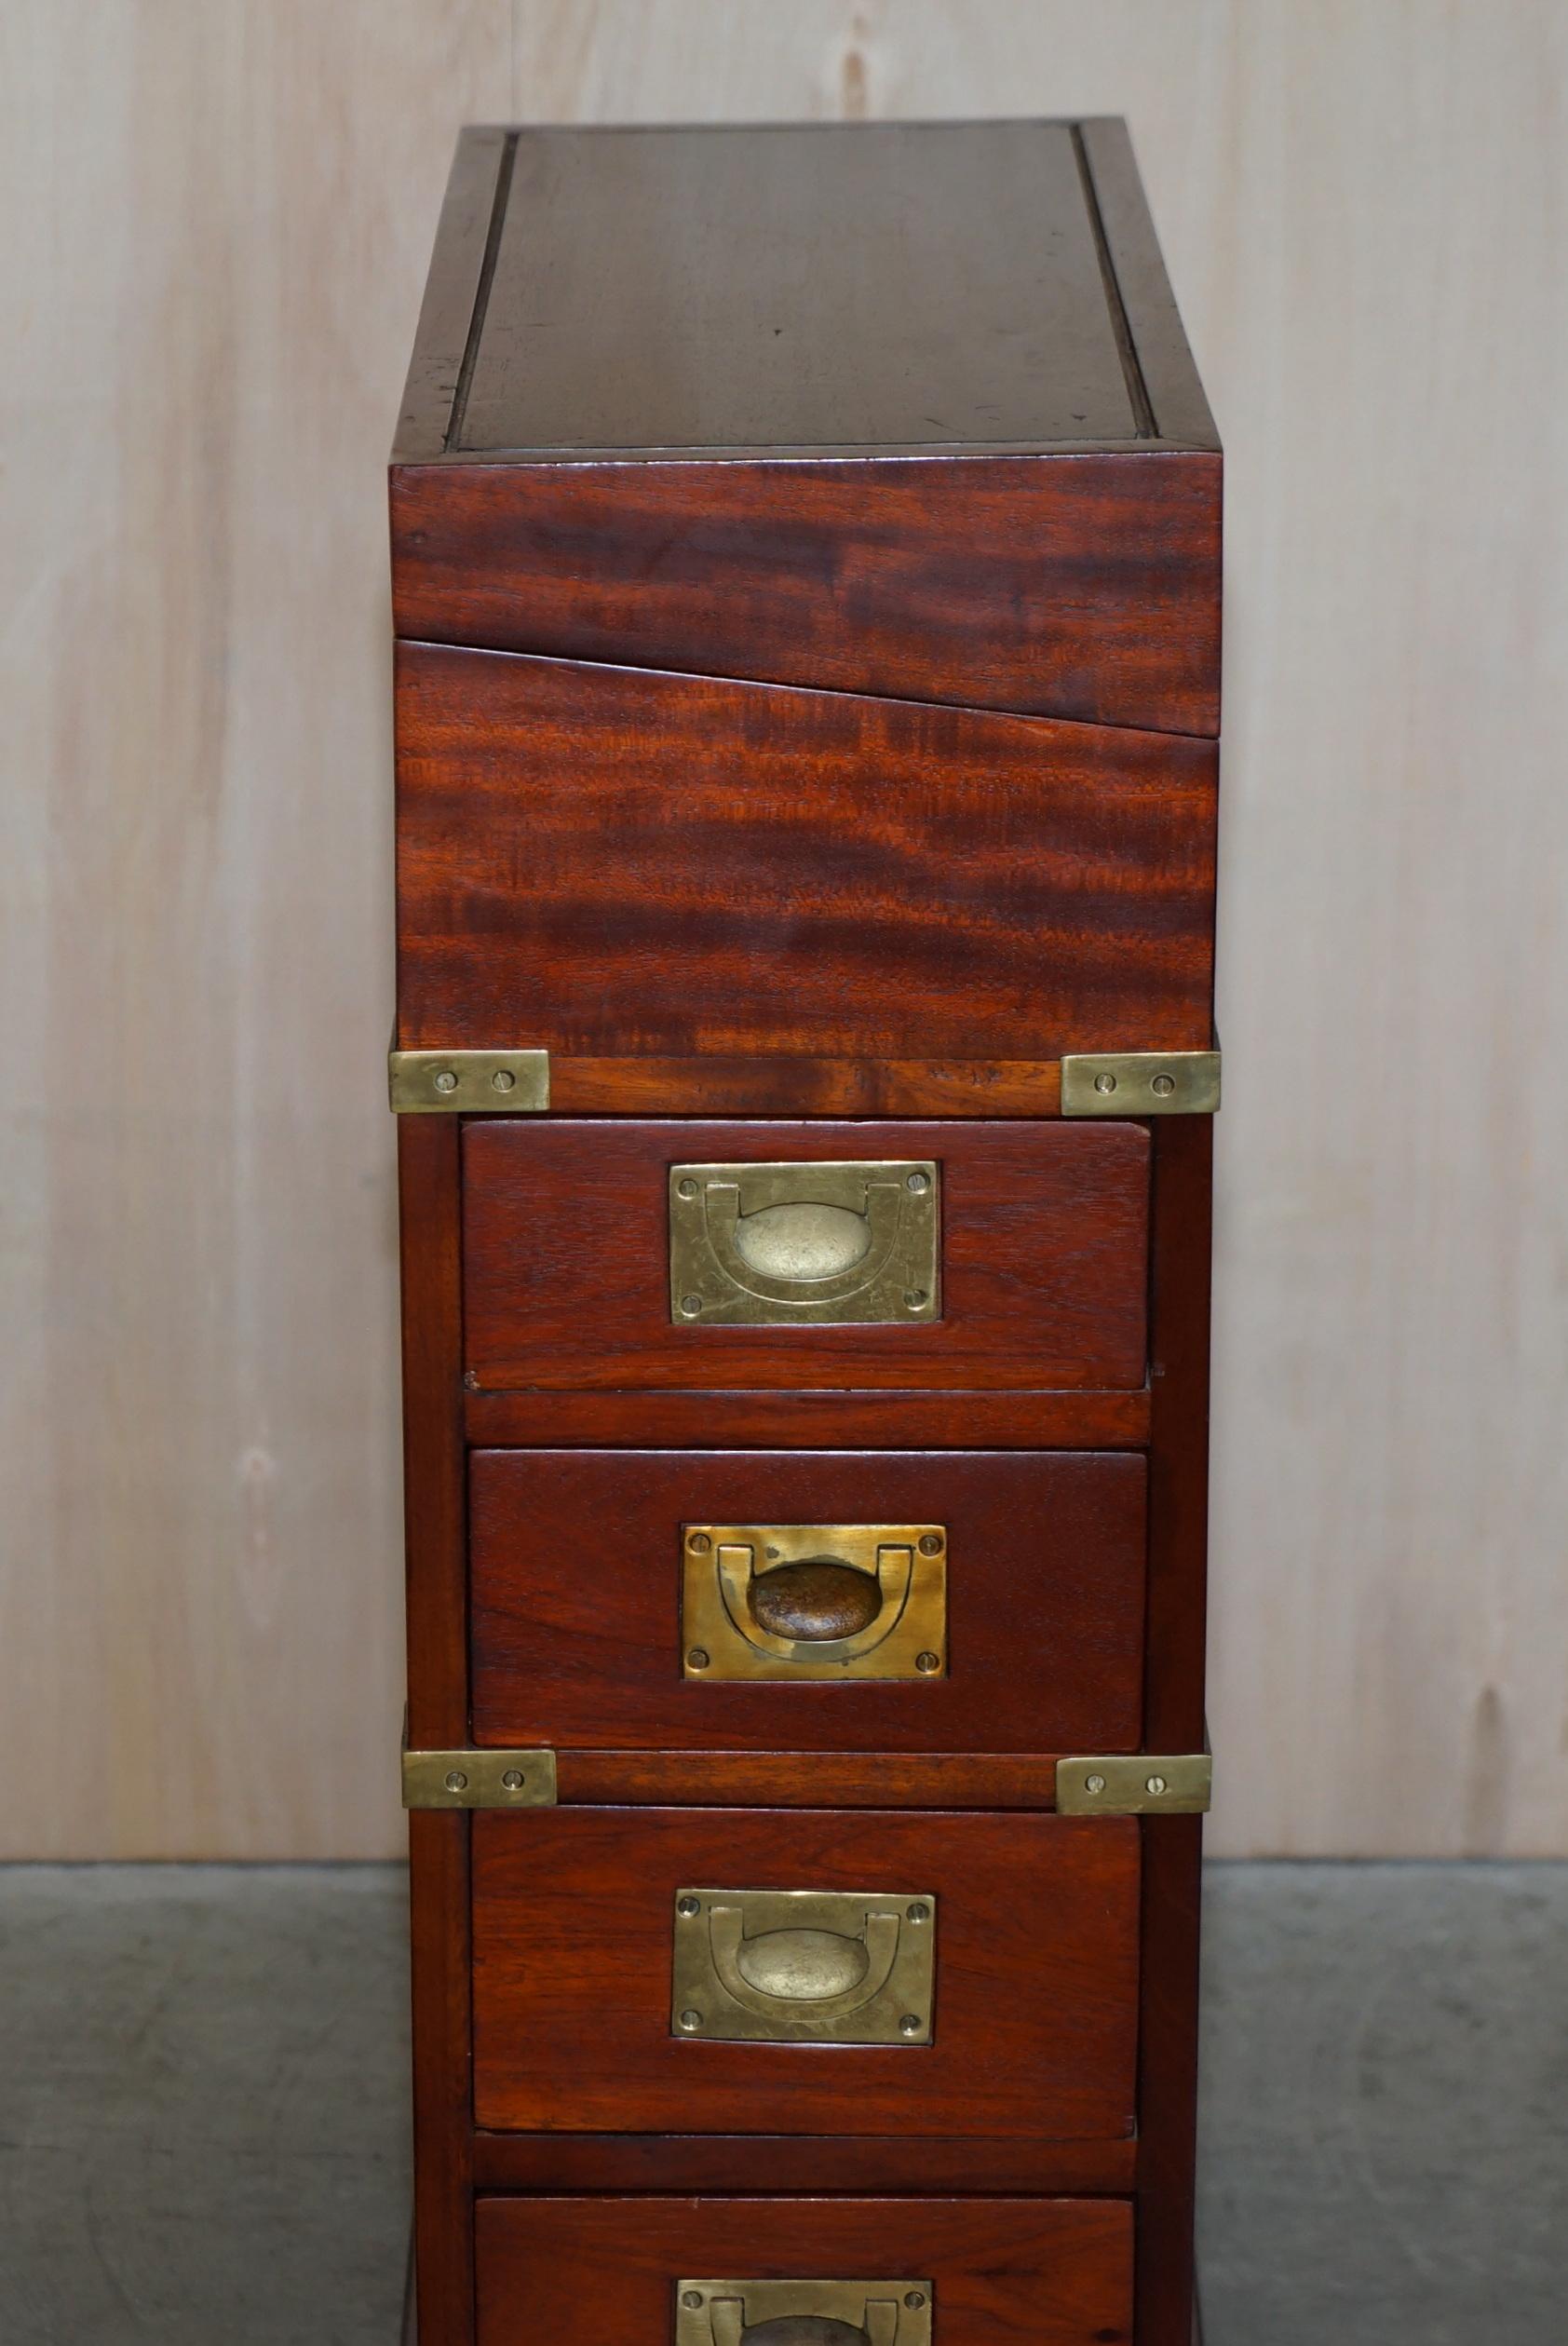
(806, 553)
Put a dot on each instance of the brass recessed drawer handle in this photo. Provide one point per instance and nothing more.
(803, 1243)
(818, 1601)
(823, 1608)
(834, 1974)
(802, 2313)
(765, 1245)
(804, 1967)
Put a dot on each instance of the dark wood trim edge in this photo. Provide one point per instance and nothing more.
(435, 1476)
(447, 311)
(439, 1843)
(945, 1781)
(434, 1527)
(770, 1420)
(858, 2166)
(494, 233)
(1179, 411)
(1127, 348)
(1179, 1341)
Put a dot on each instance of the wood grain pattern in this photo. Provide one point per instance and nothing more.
(765, 1083)
(1079, 586)
(200, 1425)
(572, 2029)
(802, 1780)
(566, 1259)
(958, 1419)
(608, 861)
(576, 1619)
(1019, 2272)
(722, 300)
(857, 2163)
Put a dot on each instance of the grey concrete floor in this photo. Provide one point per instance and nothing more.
(203, 2135)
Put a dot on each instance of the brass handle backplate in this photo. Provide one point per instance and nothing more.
(803, 1966)
(832, 1603)
(776, 1245)
(802, 2313)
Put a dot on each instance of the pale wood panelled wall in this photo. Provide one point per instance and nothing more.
(219, 212)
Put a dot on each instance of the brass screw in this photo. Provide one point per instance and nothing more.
(771, 1555)
(914, 2299)
(910, 2025)
(503, 1080)
(686, 1188)
(1163, 1085)
(691, 2020)
(930, 1543)
(1105, 1083)
(919, 1182)
(1094, 1783)
(918, 1913)
(927, 1663)
(445, 1080)
(1157, 1784)
(700, 1543)
(915, 1299)
(513, 1780)
(691, 1305)
(698, 1659)
(688, 1906)
(457, 1781)
(691, 2300)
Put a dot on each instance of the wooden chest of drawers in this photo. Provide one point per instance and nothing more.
(806, 580)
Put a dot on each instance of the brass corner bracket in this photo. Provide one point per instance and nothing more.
(1135, 1783)
(478, 1779)
(468, 1082)
(1133, 1083)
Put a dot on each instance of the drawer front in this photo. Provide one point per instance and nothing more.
(1026, 1255)
(608, 861)
(973, 1974)
(647, 1600)
(990, 2273)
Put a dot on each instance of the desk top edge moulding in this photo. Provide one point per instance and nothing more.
(805, 549)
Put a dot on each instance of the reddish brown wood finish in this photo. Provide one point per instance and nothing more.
(749, 890)
(566, 1261)
(803, 2163)
(827, 1420)
(1019, 2272)
(802, 1780)
(572, 1920)
(767, 1083)
(577, 1579)
(608, 861)
(434, 1502)
(1080, 585)
(1174, 1721)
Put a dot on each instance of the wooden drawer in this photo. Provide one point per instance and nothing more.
(1043, 1245)
(1031, 1929)
(608, 861)
(605, 2272)
(590, 1590)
